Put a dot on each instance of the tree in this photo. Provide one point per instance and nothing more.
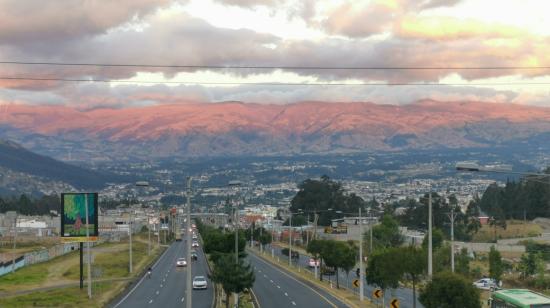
(463, 263)
(448, 290)
(437, 239)
(321, 195)
(233, 277)
(495, 264)
(385, 268)
(386, 234)
(315, 248)
(413, 265)
(297, 221)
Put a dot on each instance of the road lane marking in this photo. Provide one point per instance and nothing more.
(271, 280)
(286, 294)
(157, 292)
(150, 301)
(293, 303)
(298, 281)
(141, 280)
(182, 299)
(278, 287)
(161, 285)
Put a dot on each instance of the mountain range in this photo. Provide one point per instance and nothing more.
(22, 162)
(235, 128)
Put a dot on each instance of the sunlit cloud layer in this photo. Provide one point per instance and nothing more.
(451, 34)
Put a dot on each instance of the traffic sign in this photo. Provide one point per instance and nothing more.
(356, 283)
(394, 303)
(377, 293)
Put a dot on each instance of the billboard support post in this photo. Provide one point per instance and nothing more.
(81, 265)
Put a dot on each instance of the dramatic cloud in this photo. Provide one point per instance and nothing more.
(24, 22)
(353, 34)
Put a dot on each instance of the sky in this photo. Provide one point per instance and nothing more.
(446, 50)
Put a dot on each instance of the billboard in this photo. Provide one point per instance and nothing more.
(73, 217)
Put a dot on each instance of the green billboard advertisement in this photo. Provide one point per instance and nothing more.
(73, 217)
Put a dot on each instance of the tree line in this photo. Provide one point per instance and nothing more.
(234, 276)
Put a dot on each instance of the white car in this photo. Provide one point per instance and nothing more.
(199, 282)
(313, 263)
(195, 244)
(486, 284)
(181, 262)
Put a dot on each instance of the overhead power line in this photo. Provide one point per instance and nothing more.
(282, 67)
(272, 83)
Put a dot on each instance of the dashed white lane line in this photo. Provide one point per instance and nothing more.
(271, 280)
(150, 301)
(182, 299)
(161, 285)
(286, 294)
(157, 292)
(265, 276)
(293, 303)
(278, 287)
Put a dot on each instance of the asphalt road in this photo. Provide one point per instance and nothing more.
(404, 295)
(166, 287)
(275, 288)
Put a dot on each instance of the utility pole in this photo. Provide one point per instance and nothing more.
(430, 271)
(370, 232)
(290, 240)
(89, 267)
(130, 234)
(14, 242)
(188, 232)
(452, 218)
(361, 291)
(148, 235)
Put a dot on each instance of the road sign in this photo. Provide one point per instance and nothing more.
(394, 303)
(377, 293)
(356, 283)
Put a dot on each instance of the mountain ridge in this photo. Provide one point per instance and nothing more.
(237, 128)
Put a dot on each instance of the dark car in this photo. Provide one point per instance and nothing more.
(295, 254)
(194, 256)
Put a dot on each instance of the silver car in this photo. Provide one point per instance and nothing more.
(199, 282)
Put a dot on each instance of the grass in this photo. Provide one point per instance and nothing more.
(66, 297)
(514, 229)
(112, 258)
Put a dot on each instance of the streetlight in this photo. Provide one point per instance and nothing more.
(189, 289)
(361, 272)
(146, 184)
(236, 185)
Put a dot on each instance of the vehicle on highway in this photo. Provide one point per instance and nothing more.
(181, 262)
(195, 236)
(195, 244)
(199, 282)
(295, 254)
(194, 256)
(327, 270)
(486, 284)
(178, 236)
(521, 298)
(313, 262)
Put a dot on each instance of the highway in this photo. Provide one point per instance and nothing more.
(274, 288)
(404, 295)
(166, 287)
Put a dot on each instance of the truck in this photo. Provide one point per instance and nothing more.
(178, 236)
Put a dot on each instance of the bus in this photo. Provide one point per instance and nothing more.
(518, 298)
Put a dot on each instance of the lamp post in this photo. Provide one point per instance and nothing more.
(236, 185)
(146, 184)
(430, 248)
(189, 289)
(290, 239)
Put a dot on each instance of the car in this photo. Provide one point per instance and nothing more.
(195, 244)
(199, 282)
(486, 284)
(181, 262)
(313, 262)
(194, 256)
(195, 236)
